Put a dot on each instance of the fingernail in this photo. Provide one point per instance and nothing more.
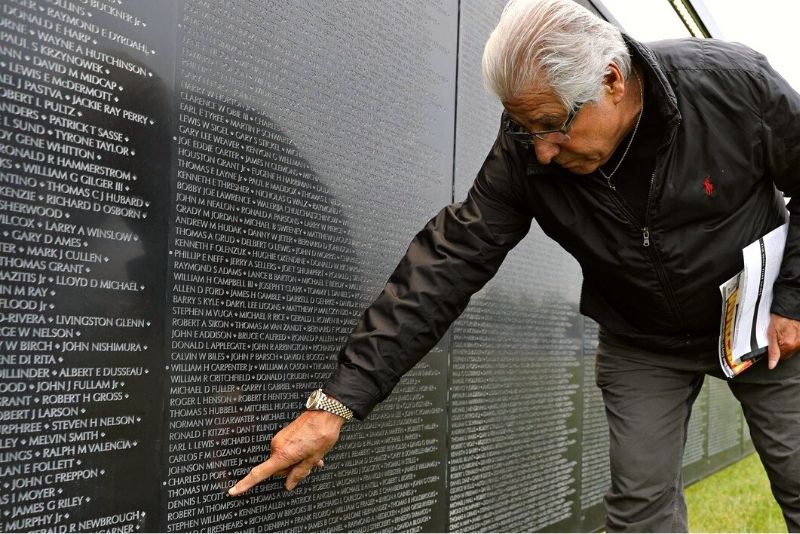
(232, 492)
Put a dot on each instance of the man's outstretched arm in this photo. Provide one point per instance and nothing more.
(451, 258)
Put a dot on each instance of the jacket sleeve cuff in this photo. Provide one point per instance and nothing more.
(355, 389)
(786, 301)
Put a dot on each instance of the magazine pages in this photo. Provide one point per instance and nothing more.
(746, 300)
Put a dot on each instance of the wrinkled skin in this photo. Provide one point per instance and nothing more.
(295, 450)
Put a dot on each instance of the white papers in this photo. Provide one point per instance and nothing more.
(762, 261)
(746, 300)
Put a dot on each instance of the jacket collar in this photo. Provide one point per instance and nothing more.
(660, 87)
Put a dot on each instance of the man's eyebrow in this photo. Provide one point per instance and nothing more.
(547, 118)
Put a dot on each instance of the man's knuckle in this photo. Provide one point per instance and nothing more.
(282, 456)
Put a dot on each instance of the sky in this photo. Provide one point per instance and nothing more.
(769, 26)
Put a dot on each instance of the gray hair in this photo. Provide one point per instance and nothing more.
(557, 42)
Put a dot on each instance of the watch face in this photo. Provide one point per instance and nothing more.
(314, 399)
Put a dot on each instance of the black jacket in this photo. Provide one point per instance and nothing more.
(729, 119)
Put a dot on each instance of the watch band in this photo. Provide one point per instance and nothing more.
(320, 401)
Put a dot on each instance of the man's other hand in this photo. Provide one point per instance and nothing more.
(784, 339)
(295, 450)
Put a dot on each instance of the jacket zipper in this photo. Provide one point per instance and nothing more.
(630, 215)
(660, 271)
(646, 227)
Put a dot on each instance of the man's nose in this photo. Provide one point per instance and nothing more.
(545, 151)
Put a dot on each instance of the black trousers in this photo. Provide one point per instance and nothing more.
(648, 399)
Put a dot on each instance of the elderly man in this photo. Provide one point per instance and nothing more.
(653, 166)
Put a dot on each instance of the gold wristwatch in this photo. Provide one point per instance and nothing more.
(319, 401)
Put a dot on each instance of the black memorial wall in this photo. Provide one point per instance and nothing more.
(196, 201)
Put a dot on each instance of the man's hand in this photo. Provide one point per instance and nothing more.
(784, 339)
(295, 450)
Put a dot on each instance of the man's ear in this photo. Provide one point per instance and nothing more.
(614, 83)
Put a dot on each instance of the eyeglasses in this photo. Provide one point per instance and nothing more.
(555, 136)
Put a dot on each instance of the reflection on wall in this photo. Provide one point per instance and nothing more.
(266, 282)
(197, 199)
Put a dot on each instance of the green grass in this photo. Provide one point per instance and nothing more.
(736, 499)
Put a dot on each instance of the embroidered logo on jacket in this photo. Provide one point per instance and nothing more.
(708, 187)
